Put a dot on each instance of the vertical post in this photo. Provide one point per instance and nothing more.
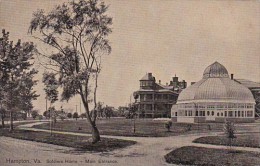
(11, 110)
(51, 120)
(80, 107)
(46, 104)
(134, 123)
(196, 110)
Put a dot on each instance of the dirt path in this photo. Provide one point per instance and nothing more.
(147, 151)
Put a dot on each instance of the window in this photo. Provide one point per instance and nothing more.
(141, 97)
(235, 113)
(249, 113)
(210, 106)
(218, 114)
(176, 113)
(197, 113)
(149, 106)
(230, 113)
(208, 113)
(238, 113)
(212, 113)
(241, 106)
(221, 113)
(242, 113)
(225, 113)
(149, 96)
(186, 113)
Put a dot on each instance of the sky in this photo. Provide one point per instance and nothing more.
(165, 38)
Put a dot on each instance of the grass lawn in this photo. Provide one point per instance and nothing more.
(190, 155)
(124, 127)
(81, 143)
(248, 140)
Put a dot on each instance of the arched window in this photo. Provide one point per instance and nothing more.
(212, 113)
(218, 114)
(208, 113)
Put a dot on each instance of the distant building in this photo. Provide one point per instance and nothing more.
(254, 87)
(215, 97)
(153, 99)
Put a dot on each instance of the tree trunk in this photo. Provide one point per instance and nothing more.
(3, 121)
(11, 122)
(95, 132)
(95, 135)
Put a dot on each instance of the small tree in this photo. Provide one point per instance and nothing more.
(76, 115)
(229, 129)
(62, 117)
(69, 115)
(168, 125)
(83, 115)
(46, 114)
(34, 114)
(132, 115)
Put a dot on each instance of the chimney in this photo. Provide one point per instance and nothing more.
(232, 76)
(171, 83)
(166, 83)
(150, 76)
(175, 79)
(184, 84)
(159, 81)
(193, 83)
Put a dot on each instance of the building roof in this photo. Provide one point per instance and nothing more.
(216, 86)
(247, 83)
(147, 77)
(215, 70)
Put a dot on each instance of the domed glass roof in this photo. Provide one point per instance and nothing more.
(215, 70)
(216, 86)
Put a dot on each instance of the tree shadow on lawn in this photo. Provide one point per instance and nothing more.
(81, 144)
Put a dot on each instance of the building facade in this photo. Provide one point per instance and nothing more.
(254, 87)
(216, 97)
(155, 100)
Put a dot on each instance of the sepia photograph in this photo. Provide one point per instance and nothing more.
(129, 83)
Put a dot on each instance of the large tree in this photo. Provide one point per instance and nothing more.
(16, 62)
(77, 32)
(2, 114)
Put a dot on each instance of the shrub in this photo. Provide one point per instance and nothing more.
(229, 129)
(69, 115)
(76, 115)
(168, 125)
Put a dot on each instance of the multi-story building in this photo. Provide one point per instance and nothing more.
(153, 99)
(254, 87)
